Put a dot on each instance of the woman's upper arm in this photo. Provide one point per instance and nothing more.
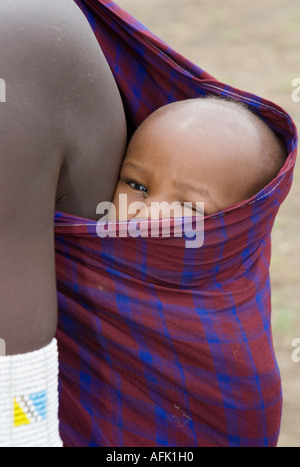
(31, 154)
(27, 270)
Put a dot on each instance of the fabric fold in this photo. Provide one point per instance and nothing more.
(160, 344)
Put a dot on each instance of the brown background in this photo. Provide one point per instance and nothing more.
(254, 46)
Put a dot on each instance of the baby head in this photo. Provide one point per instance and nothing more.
(209, 150)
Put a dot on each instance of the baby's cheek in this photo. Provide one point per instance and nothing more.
(115, 198)
(120, 209)
(115, 205)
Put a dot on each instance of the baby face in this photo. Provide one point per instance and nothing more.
(177, 158)
(160, 166)
(155, 171)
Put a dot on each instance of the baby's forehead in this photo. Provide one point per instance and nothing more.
(226, 129)
(216, 117)
(193, 118)
(194, 114)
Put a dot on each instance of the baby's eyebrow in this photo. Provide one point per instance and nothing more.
(202, 191)
(132, 165)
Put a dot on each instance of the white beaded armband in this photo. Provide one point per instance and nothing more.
(29, 399)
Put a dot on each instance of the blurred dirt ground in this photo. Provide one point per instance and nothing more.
(254, 46)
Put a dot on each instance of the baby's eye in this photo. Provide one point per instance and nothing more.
(137, 186)
(198, 211)
(195, 209)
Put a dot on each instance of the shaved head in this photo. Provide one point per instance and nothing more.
(210, 150)
(231, 125)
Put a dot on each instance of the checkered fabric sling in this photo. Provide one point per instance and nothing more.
(163, 345)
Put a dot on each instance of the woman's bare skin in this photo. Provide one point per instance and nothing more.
(63, 136)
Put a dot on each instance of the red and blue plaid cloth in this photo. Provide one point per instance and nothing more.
(163, 345)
